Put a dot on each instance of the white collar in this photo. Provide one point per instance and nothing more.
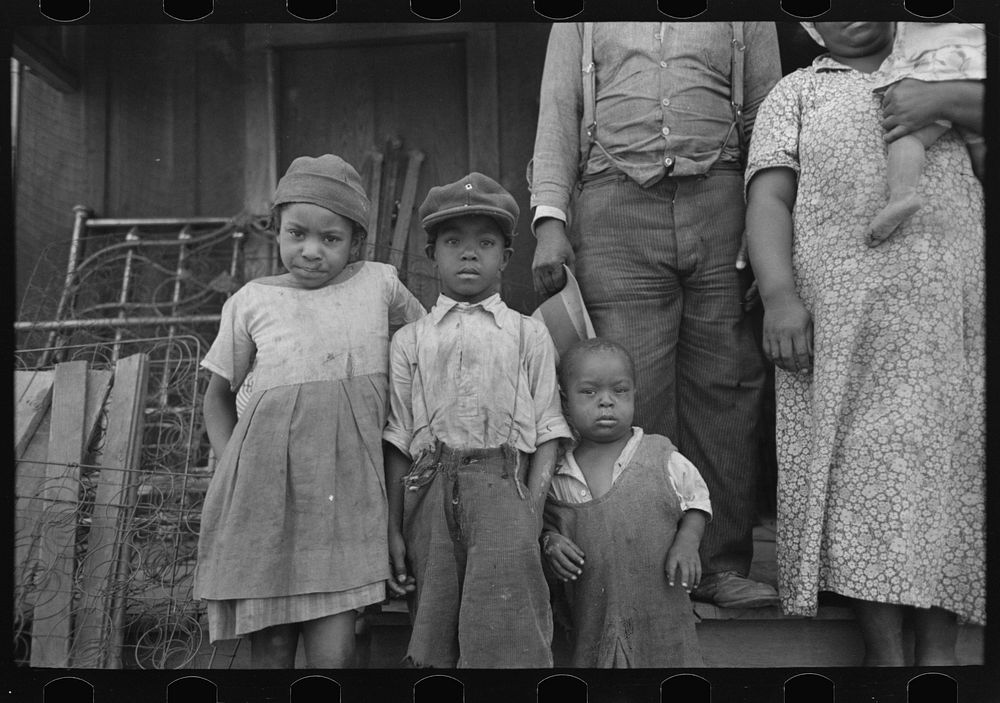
(494, 305)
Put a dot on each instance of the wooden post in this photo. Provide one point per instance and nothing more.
(406, 203)
(30, 474)
(375, 195)
(97, 640)
(32, 394)
(50, 637)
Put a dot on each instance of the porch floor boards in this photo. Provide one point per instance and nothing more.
(740, 637)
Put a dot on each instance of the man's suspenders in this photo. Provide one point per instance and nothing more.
(588, 71)
(736, 84)
(589, 95)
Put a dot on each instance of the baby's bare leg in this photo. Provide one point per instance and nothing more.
(904, 167)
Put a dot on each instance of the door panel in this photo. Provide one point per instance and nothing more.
(348, 100)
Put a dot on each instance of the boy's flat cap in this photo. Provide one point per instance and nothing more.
(475, 194)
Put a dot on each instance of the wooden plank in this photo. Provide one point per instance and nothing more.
(260, 36)
(98, 385)
(30, 474)
(374, 195)
(94, 192)
(50, 637)
(484, 112)
(96, 643)
(387, 198)
(261, 174)
(406, 203)
(32, 395)
(29, 477)
(52, 68)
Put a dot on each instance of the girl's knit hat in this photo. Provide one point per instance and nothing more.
(327, 181)
(810, 27)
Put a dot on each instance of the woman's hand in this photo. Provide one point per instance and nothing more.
(911, 104)
(683, 561)
(565, 558)
(552, 250)
(400, 582)
(788, 333)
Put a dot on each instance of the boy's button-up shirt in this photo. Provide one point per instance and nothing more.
(570, 485)
(663, 94)
(455, 377)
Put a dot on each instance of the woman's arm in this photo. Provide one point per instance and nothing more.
(911, 104)
(787, 337)
(220, 413)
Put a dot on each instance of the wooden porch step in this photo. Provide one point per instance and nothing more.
(729, 637)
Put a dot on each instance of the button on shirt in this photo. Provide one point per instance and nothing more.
(455, 376)
(663, 105)
(570, 485)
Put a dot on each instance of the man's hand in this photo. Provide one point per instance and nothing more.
(552, 250)
(752, 296)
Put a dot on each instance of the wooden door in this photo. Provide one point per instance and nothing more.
(350, 100)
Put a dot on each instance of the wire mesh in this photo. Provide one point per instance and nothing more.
(144, 612)
(119, 287)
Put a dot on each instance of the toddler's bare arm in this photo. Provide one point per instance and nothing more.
(682, 557)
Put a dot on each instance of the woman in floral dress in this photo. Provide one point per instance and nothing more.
(880, 385)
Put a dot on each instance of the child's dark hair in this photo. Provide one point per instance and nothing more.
(588, 346)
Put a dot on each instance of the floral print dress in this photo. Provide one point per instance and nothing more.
(881, 448)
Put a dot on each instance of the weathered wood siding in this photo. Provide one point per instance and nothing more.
(158, 128)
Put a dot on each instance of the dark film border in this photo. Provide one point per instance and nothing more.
(975, 683)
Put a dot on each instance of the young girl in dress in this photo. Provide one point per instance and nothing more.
(925, 51)
(293, 530)
(623, 522)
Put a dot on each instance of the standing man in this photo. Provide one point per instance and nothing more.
(642, 134)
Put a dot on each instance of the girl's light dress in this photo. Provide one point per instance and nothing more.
(294, 522)
(881, 448)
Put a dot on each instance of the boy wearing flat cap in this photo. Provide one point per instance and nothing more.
(470, 444)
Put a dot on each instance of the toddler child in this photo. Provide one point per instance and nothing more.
(623, 522)
(473, 423)
(293, 528)
(925, 51)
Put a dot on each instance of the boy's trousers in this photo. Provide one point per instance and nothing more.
(657, 271)
(471, 534)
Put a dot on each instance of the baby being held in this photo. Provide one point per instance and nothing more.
(930, 52)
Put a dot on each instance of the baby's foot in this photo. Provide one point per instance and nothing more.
(892, 216)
